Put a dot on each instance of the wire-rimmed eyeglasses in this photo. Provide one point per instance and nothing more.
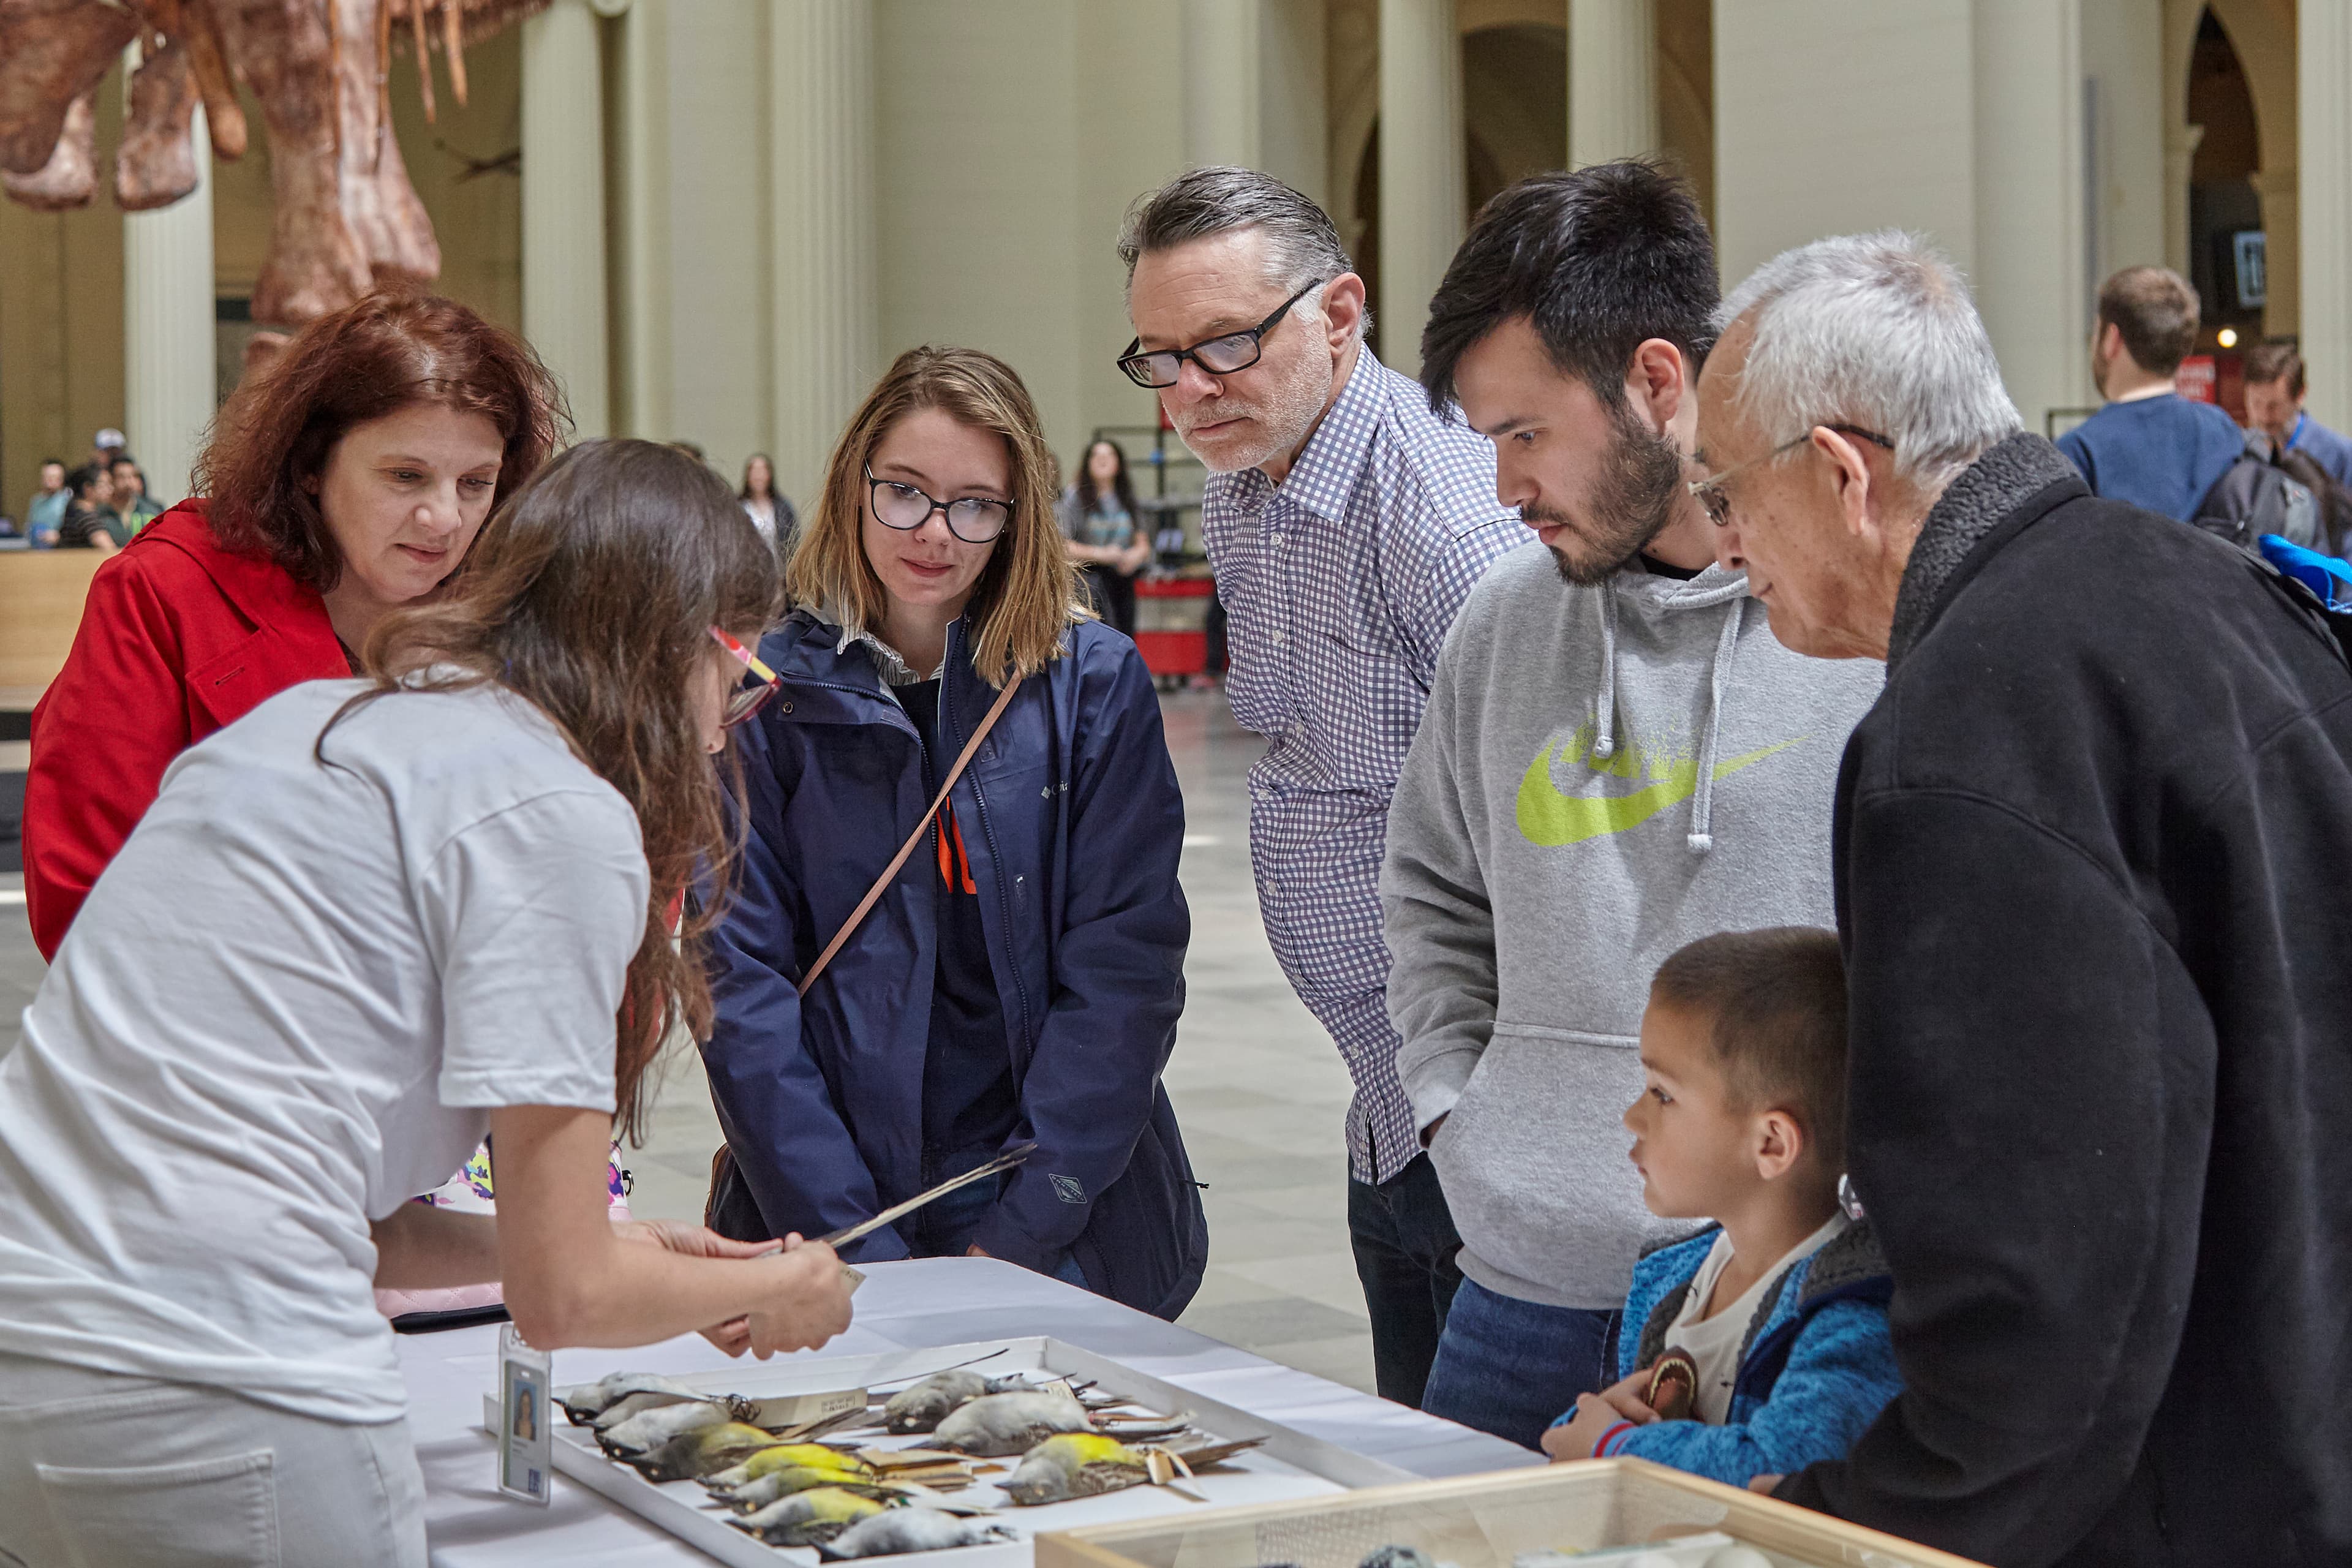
(1219, 355)
(744, 703)
(1709, 494)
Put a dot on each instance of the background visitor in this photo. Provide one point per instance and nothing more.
(1107, 538)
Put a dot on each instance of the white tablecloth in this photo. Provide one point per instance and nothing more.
(941, 1301)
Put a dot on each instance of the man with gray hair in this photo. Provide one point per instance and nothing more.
(2090, 885)
(1346, 523)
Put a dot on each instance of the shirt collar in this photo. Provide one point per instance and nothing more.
(894, 670)
(1324, 476)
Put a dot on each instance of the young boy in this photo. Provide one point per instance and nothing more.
(1760, 1344)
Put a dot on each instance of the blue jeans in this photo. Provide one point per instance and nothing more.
(944, 1227)
(1512, 1367)
(1404, 1238)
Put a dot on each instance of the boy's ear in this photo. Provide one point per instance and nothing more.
(1780, 1142)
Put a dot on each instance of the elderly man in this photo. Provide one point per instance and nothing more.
(1346, 523)
(2090, 856)
(1618, 760)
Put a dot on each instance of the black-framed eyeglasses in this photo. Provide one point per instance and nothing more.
(1218, 356)
(1710, 491)
(975, 520)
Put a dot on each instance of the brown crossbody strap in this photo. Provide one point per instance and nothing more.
(874, 893)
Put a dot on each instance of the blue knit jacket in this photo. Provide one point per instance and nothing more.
(1817, 1367)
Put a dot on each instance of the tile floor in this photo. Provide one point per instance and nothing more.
(1258, 1087)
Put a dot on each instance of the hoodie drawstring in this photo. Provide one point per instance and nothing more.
(1604, 740)
(1702, 838)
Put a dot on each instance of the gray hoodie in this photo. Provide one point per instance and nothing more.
(1603, 774)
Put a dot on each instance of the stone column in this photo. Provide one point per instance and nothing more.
(1220, 82)
(2031, 217)
(564, 300)
(2281, 190)
(170, 382)
(1612, 80)
(2324, 116)
(1423, 179)
(827, 317)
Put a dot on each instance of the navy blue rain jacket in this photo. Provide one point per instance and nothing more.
(1071, 816)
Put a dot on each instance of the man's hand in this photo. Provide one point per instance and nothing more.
(1575, 1439)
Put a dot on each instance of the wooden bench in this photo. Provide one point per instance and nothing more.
(41, 594)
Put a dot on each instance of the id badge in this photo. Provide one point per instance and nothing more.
(526, 1440)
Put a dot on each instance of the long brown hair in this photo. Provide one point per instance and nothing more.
(1028, 594)
(387, 353)
(591, 593)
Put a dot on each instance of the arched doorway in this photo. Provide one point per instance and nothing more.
(2228, 253)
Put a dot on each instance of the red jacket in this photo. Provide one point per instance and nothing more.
(178, 638)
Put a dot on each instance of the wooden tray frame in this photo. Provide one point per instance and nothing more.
(1758, 1520)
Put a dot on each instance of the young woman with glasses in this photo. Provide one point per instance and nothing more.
(1019, 977)
(358, 928)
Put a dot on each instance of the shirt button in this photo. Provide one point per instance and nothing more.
(1280, 639)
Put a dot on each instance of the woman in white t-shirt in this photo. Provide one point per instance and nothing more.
(358, 929)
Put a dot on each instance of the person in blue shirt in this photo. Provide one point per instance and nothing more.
(2274, 406)
(2149, 446)
(1761, 1344)
(46, 510)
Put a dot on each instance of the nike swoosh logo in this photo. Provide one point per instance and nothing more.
(1549, 817)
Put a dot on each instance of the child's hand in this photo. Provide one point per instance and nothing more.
(1574, 1439)
(1625, 1398)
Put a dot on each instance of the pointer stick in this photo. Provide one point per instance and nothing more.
(1004, 1162)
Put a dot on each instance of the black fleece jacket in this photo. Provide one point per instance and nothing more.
(2094, 883)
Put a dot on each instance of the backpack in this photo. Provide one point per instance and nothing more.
(2252, 499)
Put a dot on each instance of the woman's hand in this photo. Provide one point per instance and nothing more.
(571, 1277)
(689, 1240)
(808, 1302)
(733, 1336)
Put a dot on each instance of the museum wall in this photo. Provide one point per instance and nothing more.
(60, 327)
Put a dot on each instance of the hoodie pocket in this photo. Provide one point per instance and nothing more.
(1534, 1162)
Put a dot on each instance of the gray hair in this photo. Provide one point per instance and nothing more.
(1875, 330)
(1302, 246)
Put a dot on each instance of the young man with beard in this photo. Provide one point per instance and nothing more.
(1617, 760)
(1346, 521)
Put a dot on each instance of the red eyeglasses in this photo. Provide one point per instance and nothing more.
(748, 699)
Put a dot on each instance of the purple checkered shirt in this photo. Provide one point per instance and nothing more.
(1339, 586)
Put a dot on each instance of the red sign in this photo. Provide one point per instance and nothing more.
(2196, 380)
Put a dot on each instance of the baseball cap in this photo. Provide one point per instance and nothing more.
(110, 436)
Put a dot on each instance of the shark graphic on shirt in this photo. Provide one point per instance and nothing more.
(1550, 816)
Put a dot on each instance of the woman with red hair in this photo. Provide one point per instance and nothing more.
(346, 480)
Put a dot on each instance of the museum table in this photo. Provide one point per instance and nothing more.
(937, 1301)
